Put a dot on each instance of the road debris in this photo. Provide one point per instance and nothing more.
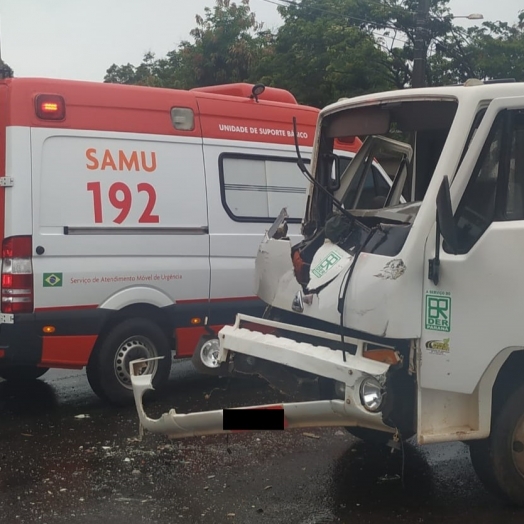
(310, 435)
(388, 478)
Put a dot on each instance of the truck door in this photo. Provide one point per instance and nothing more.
(475, 311)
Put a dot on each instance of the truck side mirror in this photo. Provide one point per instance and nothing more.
(446, 222)
(334, 176)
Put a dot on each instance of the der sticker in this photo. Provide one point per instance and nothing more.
(438, 312)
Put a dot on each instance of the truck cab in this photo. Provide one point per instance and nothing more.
(401, 316)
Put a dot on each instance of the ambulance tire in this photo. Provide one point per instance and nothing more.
(499, 459)
(108, 368)
(22, 373)
(198, 364)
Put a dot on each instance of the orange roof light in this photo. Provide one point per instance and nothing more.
(50, 107)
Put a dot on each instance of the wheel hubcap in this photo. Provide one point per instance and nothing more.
(518, 446)
(132, 349)
(209, 353)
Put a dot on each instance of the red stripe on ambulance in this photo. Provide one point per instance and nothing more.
(67, 351)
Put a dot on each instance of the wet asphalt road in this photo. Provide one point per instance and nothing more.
(56, 468)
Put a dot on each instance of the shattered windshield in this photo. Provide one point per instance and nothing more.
(404, 138)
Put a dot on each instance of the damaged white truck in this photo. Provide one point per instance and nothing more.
(398, 314)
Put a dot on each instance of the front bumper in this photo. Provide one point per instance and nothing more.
(315, 359)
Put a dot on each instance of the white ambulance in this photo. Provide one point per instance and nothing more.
(130, 219)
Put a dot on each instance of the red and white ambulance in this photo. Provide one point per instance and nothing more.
(130, 218)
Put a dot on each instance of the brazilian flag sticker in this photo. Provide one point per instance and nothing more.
(53, 280)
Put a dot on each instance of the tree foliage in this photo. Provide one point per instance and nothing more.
(327, 49)
(5, 70)
(321, 55)
(496, 50)
(227, 45)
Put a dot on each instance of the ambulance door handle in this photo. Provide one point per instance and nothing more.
(40, 250)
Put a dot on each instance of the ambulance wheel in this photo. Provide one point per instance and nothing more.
(108, 368)
(370, 436)
(205, 357)
(22, 373)
(499, 459)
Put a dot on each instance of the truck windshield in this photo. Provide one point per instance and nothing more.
(405, 137)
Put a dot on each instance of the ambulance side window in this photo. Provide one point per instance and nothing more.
(255, 188)
(496, 189)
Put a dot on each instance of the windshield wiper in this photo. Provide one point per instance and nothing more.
(302, 166)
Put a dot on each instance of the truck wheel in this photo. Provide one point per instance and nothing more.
(108, 368)
(499, 459)
(480, 454)
(22, 373)
(370, 436)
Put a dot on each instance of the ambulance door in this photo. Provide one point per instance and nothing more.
(250, 188)
(115, 212)
(251, 174)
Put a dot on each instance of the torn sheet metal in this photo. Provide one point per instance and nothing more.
(392, 270)
(278, 224)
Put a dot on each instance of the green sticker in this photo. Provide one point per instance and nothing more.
(438, 312)
(52, 280)
(326, 264)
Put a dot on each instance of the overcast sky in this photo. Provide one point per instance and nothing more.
(80, 39)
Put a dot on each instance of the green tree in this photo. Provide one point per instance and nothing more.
(496, 49)
(227, 44)
(331, 48)
(5, 70)
(397, 21)
(321, 55)
(327, 49)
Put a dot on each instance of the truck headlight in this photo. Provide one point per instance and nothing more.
(372, 394)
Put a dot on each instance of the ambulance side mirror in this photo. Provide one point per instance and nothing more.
(446, 222)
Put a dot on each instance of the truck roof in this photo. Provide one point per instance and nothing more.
(462, 91)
